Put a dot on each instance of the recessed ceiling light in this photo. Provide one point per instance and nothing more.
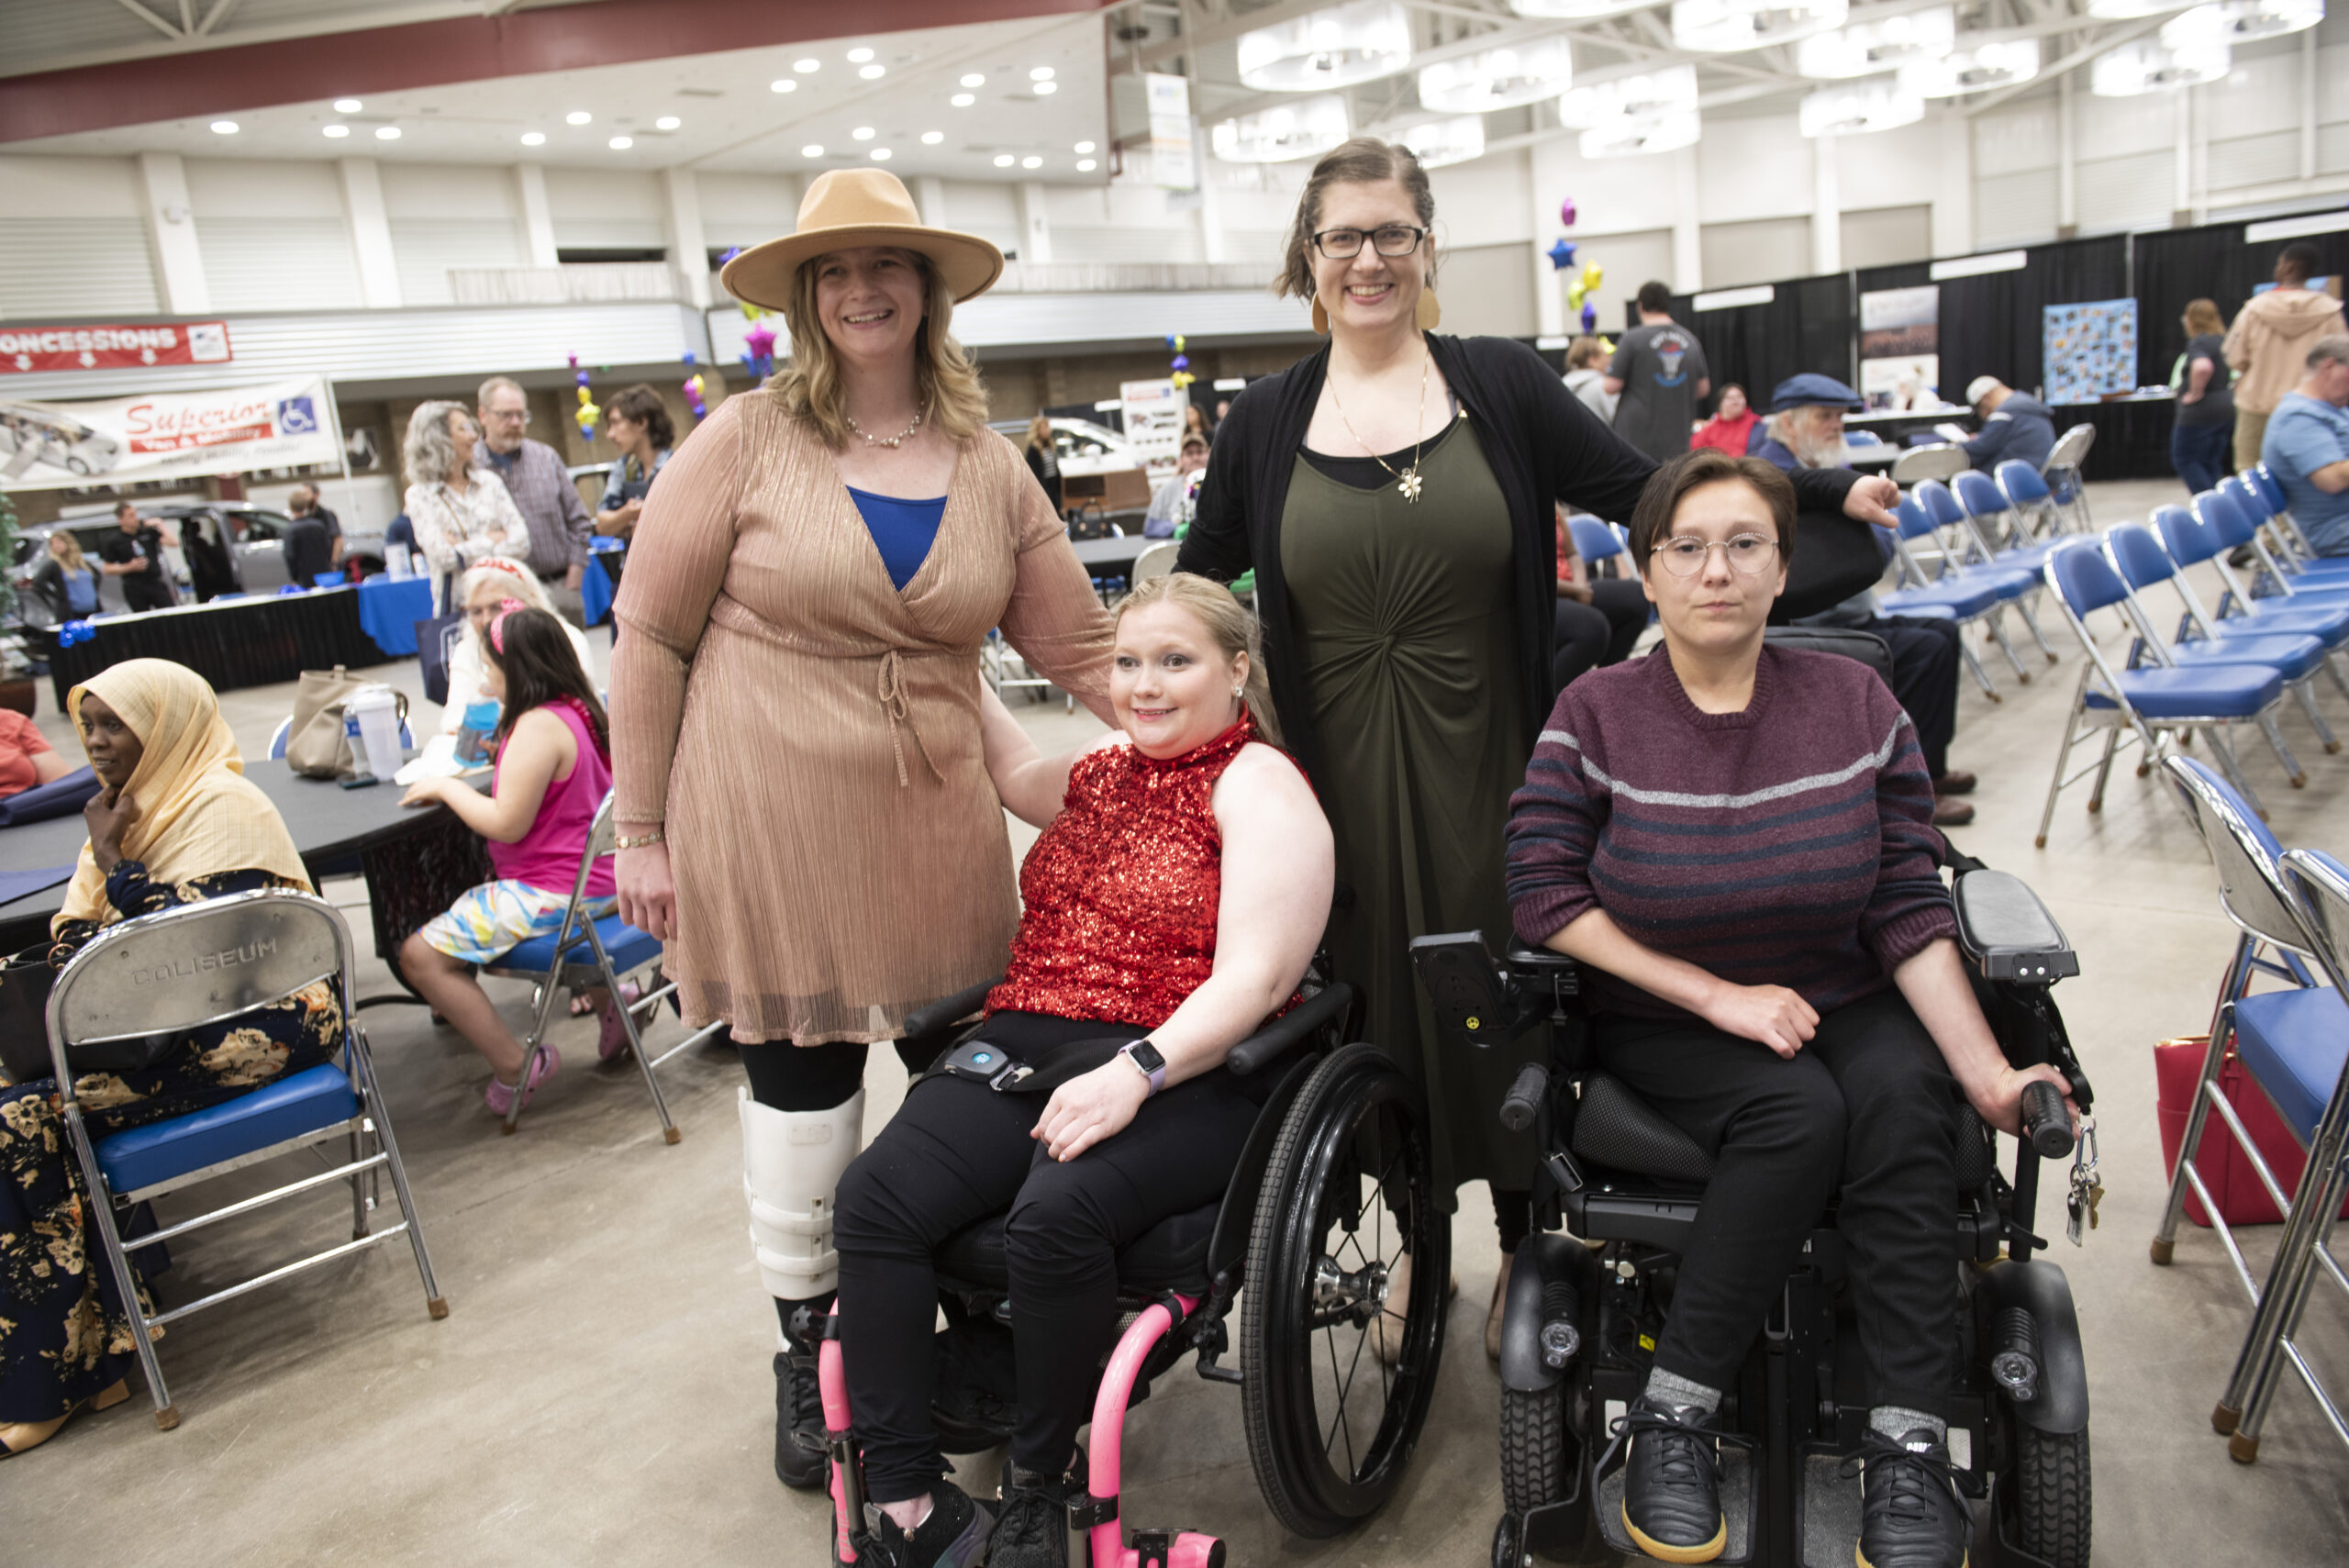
(783, 85)
(880, 155)
(224, 127)
(621, 143)
(813, 149)
(1085, 165)
(932, 137)
(346, 106)
(863, 133)
(667, 122)
(1044, 89)
(1031, 161)
(858, 56)
(1004, 160)
(387, 133)
(1085, 146)
(872, 73)
(534, 138)
(805, 66)
(336, 129)
(975, 79)
(961, 100)
(1041, 73)
(577, 117)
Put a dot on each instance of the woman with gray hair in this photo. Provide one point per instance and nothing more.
(458, 517)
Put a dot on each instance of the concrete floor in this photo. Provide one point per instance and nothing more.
(600, 1393)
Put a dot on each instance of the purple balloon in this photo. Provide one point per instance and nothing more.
(1590, 317)
(1566, 212)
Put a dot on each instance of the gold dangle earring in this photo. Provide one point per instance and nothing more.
(1427, 315)
(1320, 318)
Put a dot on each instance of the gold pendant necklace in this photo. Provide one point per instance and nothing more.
(1407, 480)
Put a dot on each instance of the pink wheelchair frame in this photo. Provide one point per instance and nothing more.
(1105, 1540)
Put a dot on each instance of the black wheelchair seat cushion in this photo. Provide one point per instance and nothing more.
(1170, 1255)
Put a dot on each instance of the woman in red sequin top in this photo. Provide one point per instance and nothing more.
(1178, 893)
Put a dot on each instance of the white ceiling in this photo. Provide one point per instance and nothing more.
(731, 119)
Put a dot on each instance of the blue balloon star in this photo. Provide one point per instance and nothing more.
(1562, 255)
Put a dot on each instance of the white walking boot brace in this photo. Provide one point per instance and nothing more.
(791, 1162)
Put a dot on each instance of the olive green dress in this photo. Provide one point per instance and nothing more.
(1404, 617)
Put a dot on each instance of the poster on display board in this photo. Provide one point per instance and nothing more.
(2087, 350)
(1153, 415)
(1901, 366)
(167, 436)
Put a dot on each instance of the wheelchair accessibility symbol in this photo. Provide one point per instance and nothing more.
(295, 417)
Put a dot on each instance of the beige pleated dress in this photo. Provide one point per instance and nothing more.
(810, 735)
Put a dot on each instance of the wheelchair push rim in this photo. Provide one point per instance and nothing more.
(1349, 1192)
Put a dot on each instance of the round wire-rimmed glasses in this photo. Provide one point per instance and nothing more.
(1685, 557)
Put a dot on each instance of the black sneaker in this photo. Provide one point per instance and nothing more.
(955, 1536)
(1911, 1513)
(1672, 1481)
(799, 1457)
(1031, 1530)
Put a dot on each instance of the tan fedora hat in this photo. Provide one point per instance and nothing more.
(848, 208)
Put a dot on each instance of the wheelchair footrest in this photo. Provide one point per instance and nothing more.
(1741, 1505)
(1828, 1525)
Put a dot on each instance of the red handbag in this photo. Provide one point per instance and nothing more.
(2177, 1066)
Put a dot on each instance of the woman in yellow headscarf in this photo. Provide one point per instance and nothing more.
(176, 822)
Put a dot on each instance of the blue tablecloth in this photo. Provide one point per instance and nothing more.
(389, 609)
(596, 591)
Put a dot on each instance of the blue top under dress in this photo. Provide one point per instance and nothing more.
(902, 530)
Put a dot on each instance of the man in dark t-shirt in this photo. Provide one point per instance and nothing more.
(1659, 370)
(308, 549)
(135, 556)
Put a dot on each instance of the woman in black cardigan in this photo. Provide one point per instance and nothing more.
(1393, 493)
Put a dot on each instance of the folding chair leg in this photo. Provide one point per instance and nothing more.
(358, 1189)
(2286, 1295)
(1982, 676)
(2063, 752)
(372, 1096)
(2233, 768)
(533, 1046)
(100, 1207)
(2031, 623)
(2307, 699)
(1993, 623)
(669, 1131)
(2104, 769)
(2292, 769)
(2222, 1031)
(2333, 668)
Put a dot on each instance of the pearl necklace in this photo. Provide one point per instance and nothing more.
(900, 438)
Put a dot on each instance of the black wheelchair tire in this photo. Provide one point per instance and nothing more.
(1508, 1544)
(1533, 1448)
(1306, 1492)
(2054, 1521)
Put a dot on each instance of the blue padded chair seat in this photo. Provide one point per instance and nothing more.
(2327, 622)
(304, 1102)
(2293, 657)
(2294, 1042)
(1965, 599)
(2207, 691)
(629, 949)
(2011, 579)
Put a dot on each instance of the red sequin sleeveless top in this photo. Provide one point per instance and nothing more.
(1122, 889)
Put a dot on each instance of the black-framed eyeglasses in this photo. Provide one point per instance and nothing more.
(1390, 240)
(1685, 557)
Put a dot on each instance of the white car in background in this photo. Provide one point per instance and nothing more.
(1083, 446)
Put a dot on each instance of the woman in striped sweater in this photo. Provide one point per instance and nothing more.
(1737, 840)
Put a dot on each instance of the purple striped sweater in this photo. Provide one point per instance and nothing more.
(1790, 844)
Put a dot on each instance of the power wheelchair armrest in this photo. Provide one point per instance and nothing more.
(2008, 933)
(930, 1024)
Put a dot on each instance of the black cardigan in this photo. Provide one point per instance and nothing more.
(1544, 445)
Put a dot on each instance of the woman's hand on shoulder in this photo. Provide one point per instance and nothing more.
(1090, 1107)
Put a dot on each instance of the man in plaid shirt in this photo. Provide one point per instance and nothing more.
(542, 490)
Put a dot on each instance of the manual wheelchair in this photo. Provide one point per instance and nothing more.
(1581, 1320)
(1335, 1185)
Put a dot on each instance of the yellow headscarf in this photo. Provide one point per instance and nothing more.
(197, 814)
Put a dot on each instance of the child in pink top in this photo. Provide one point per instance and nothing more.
(554, 767)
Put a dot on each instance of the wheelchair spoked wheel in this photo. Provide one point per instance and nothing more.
(1349, 1192)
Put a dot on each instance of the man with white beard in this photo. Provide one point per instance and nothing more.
(1806, 430)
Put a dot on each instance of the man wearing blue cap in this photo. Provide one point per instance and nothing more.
(1806, 430)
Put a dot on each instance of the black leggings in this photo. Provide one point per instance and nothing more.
(1869, 1105)
(790, 1078)
(958, 1152)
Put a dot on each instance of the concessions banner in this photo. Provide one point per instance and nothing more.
(24, 349)
(167, 435)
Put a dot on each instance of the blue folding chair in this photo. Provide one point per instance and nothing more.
(2190, 542)
(2139, 556)
(181, 969)
(2066, 479)
(2028, 495)
(1995, 520)
(2235, 527)
(2146, 705)
(1596, 540)
(2303, 1065)
(2290, 554)
(586, 951)
(1967, 512)
(1972, 598)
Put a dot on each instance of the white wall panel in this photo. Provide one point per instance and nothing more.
(1894, 168)
(1760, 251)
(1886, 236)
(2333, 149)
(977, 207)
(254, 187)
(1256, 248)
(1489, 201)
(2010, 140)
(69, 187)
(2116, 128)
(425, 248)
(1752, 167)
(2014, 210)
(2254, 159)
(86, 267)
(2333, 82)
(2121, 194)
(606, 209)
(2259, 95)
(280, 263)
(450, 191)
(1126, 242)
(743, 209)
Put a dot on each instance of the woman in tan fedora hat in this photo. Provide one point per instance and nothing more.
(803, 808)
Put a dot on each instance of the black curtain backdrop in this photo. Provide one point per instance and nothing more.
(2213, 263)
(1808, 326)
(1991, 325)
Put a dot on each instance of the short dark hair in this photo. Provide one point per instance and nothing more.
(643, 405)
(126, 505)
(1365, 160)
(1655, 296)
(1668, 485)
(2299, 259)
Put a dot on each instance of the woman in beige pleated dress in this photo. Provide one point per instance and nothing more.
(804, 813)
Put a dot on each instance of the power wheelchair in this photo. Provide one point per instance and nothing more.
(1582, 1321)
(1334, 1185)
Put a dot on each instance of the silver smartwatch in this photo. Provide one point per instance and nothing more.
(1145, 1057)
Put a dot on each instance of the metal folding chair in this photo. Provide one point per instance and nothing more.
(2190, 542)
(1157, 561)
(1975, 599)
(590, 952)
(2145, 706)
(180, 970)
(2064, 472)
